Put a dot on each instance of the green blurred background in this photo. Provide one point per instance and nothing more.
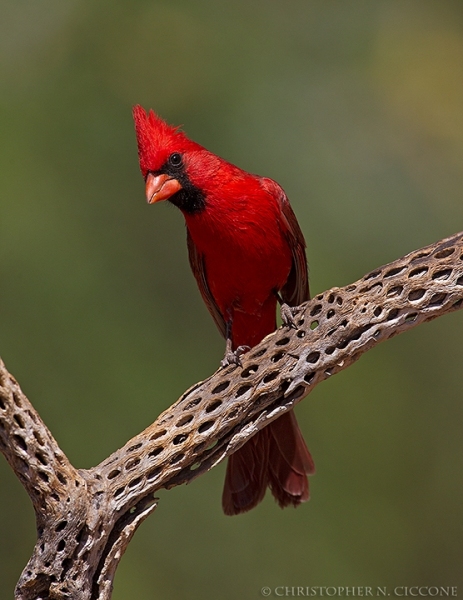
(356, 109)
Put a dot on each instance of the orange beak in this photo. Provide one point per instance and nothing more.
(160, 187)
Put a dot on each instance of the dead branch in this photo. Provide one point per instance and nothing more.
(86, 518)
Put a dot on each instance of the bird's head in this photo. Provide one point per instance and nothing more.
(174, 167)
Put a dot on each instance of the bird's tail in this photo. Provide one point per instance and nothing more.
(276, 457)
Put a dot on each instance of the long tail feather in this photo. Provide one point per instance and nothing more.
(276, 457)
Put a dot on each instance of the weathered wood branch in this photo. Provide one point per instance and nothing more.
(86, 518)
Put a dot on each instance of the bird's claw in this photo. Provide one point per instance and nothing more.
(232, 357)
(287, 316)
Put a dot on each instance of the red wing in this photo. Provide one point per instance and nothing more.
(199, 271)
(296, 289)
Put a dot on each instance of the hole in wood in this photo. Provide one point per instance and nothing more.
(192, 404)
(213, 406)
(156, 452)
(394, 291)
(178, 439)
(316, 310)
(132, 464)
(166, 419)
(270, 377)
(31, 416)
(44, 477)
(278, 356)
(221, 387)
(184, 420)
(40, 456)
(437, 299)
(20, 441)
(420, 255)
(284, 386)
(153, 473)
(417, 272)
(212, 445)
(19, 420)
(38, 437)
(242, 390)
(249, 371)
(297, 393)
(309, 377)
(134, 447)
(444, 253)
(443, 274)
(411, 317)
(313, 357)
(177, 458)
(394, 271)
(134, 482)
(158, 434)
(207, 425)
(392, 314)
(259, 353)
(61, 525)
(371, 275)
(376, 287)
(416, 294)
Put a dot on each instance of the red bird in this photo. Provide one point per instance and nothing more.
(246, 252)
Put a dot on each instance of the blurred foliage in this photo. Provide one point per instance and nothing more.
(356, 109)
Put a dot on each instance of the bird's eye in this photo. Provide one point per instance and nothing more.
(175, 159)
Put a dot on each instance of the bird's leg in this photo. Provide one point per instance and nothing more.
(287, 313)
(232, 357)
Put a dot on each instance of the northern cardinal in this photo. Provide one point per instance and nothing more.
(246, 252)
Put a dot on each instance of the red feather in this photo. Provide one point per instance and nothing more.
(245, 246)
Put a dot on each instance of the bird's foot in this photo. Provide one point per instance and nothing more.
(287, 316)
(233, 357)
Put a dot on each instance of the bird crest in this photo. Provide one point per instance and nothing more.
(156, 139)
